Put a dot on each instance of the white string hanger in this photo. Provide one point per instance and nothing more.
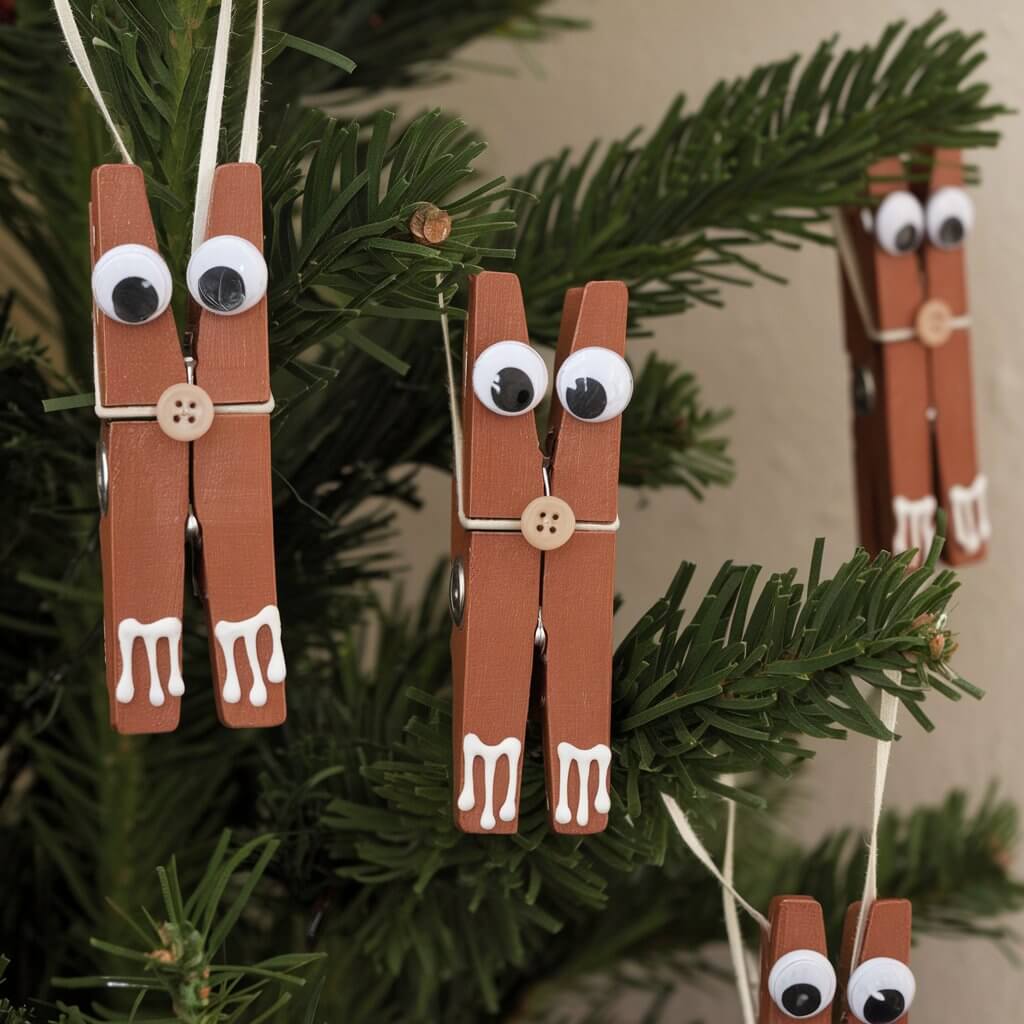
(214, 101)
(467, 522)
(731, 899)
(66, 17)
(888, 711)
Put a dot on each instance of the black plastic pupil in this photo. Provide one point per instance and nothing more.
(512, 389)
(884, 1006)
(587, 398)
(801, 1000)
(222, 289)
(906, 238)
(135, 300)
(951, 231)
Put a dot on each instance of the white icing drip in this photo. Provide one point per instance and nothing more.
(915, 524)
(568, 755)
(247, 630)
(472, 748)
(969, 505)
(130, 630)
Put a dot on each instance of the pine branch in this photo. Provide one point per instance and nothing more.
(397, 45)
(950, 860)
(734, 687)
(173, 963)
(9, 1013)
(762, 159)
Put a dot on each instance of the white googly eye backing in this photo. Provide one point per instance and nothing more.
(510, 378)
(802, 983)
(949, 217)
(227, 275)
(594, 384)
(899, 223)
(131, 284)
(881, 991)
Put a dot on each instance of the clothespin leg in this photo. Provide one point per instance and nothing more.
(577, 600)
(142, 540)
(962, 487)
(232, 496)
(492, 663)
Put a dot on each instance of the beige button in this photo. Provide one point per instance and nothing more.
(184, 412)
(934, 322)
(547, 523)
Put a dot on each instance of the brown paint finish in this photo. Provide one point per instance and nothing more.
(887, 933)
(492, 659)
(899, 449)
(508, 581)
(578, 595)
(135, 363)
(501, 469)
(232, 497)
(585, 472)
(233, 354)
(142, 545)
(950, 366)
(797, 922)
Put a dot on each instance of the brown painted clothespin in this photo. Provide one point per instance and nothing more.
(797, 979)
(875, 979)
(533, 553)
(184, 451)
(908, 334)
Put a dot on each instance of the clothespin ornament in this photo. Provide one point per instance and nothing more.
(797, 981)
(533, 552)
(908, 334)
(184, 450)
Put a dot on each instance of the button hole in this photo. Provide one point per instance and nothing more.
(191, 419)
(177, 405)
(552, 530)
(177, 419)
(555, 516)
(540, 529)
(543, 515)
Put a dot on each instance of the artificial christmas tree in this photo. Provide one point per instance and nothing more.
(344, 891)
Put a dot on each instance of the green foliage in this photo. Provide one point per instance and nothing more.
(762, 159)
(174, 963)
(9, 1013)
(730, 688)
(420, 922)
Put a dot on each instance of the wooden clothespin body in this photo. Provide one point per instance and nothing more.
(179, 448)
(797, 981)
(539, 608)
(879, 987)
(909, 344)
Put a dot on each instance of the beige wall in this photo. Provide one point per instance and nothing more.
(776, 356)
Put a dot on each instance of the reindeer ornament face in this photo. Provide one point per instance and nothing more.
(908, 333)
(534, 554)
(184, 454)
(798, 981)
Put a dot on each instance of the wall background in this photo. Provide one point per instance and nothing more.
(776, 356)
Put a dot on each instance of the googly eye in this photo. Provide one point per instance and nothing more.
(131, 284)
(899, 223)
(802, 983)
(227, 275)
(510, 378)
(881, 991)
(594, 384)
(949, 216)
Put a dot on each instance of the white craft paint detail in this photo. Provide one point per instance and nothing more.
(969, 505)
(472, 748)
(568, 755)
(915, 524)
(130, 630)
(247, 630)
